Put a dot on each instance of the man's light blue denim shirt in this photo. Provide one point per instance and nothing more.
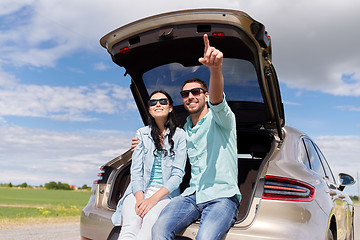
(212, 151)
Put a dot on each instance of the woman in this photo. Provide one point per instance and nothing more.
(157, 168)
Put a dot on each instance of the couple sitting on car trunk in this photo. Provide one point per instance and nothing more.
(151, 207)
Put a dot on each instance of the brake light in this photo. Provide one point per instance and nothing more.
(100, 175)
(125, 50)
(218, 35)
(286, 189)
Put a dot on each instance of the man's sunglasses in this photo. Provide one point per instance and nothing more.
(162, 101)
(195, 92)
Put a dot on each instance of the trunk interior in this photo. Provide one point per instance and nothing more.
(253, 147)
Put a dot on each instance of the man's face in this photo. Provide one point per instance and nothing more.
(195, 104)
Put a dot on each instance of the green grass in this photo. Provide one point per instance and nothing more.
(23, 203)
(23, 212)
(44, 197)
(17, 212)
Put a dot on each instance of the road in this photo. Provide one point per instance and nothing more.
(71, 230)
(45, 231)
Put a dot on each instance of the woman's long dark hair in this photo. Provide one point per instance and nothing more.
(170, 124)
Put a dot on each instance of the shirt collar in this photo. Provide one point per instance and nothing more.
(199, 123)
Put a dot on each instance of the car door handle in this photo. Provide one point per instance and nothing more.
(332, 193)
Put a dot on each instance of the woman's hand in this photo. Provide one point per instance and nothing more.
(145, 206)
(139, 196)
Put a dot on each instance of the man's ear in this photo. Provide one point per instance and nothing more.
(206, 96)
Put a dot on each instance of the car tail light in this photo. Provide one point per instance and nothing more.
(125, 50)
(100, 175)
(218, 34)
(286, 189)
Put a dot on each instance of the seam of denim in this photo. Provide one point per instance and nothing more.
(181, 220)
(235, 214)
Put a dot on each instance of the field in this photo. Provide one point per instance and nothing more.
(20, 205)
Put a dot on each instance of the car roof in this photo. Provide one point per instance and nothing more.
(176, 37)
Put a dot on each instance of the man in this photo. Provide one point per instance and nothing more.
(213, 194)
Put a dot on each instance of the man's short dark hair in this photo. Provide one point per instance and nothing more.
(197, 80)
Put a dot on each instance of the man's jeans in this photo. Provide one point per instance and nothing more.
(217, 216)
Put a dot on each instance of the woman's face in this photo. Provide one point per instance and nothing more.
(159, 110)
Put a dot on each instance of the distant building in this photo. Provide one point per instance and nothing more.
(74, 187)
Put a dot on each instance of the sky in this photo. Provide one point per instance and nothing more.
(66, 108)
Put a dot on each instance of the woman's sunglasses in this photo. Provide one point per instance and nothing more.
(162, 101)
(195, 92)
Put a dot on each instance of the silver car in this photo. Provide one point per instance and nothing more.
(288, 189)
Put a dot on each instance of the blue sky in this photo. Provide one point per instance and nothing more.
(66, 108)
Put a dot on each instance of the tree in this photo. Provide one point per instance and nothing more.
(10, 185)
(354, 198)
(51, 185)
(58, 185)
(24, 185)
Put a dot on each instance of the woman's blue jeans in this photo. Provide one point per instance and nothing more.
(216, 217)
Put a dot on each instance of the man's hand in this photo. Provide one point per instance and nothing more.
(134, 143)
(212, 56)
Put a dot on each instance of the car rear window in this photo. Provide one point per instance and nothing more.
(241, 82)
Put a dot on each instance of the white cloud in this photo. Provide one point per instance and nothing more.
(61, 103)
(342, 153)
(37, 156)
(101, 66)
(291, 103)
(10, 6)
(348, 108)
(7, 80)
(314, 52)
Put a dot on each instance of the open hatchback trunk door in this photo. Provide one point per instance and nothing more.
(162, 51)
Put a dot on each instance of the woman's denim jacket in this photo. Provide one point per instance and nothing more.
(173, 165)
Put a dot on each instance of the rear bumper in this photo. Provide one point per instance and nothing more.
(95, 223)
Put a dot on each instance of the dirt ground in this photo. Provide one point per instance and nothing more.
(40, 228)
(42, 231)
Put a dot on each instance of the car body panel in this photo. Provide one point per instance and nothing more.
(271, 223)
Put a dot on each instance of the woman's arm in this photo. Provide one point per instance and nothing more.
(137, 166)
(177, 173)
